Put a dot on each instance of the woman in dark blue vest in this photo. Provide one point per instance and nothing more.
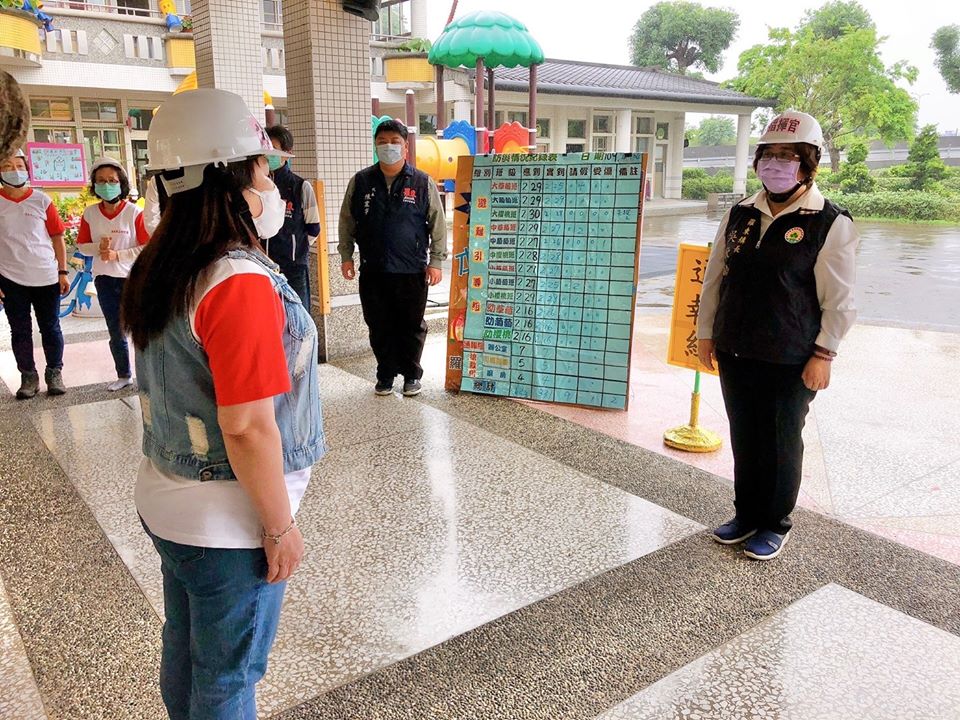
(777, 300)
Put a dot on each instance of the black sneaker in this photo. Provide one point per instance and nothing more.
(383, 387)
(411, 388)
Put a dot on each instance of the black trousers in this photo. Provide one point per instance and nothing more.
(45, 301)
(767, 406)
(298, 276)
(393, 306)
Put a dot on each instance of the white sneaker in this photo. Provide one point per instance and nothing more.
(120, 384)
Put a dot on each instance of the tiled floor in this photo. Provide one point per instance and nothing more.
(419, 526)
(833, 654)
(19, 696)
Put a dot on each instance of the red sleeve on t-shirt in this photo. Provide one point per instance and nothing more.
(83, 234)
(143, 237)
(240, 325)
(54, 223)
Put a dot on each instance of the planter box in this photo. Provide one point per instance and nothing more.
(408, 69)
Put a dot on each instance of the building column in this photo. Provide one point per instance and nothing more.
(461, 109)
(742, 159)
(624, 130)
(673, 168)
(418, 18)
(227, 42)
(328, 101)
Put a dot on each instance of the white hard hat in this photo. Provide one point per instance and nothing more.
(106, 161)
(200, 127)
(20, 153)
(792, 126)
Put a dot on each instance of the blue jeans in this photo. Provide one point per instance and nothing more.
(221, 621)
(109, 290)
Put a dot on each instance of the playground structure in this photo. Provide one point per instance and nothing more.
(483, 40)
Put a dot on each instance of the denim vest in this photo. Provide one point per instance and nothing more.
(181, 434)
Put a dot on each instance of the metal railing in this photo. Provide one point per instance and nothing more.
(102, 8)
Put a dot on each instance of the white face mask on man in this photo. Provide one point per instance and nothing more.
(270, 221)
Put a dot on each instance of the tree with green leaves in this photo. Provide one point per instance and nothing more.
(713, 131)
(854, 175)
(841, 80)
(946, 43)
(681, 35)
(835, 18)
(924, 164)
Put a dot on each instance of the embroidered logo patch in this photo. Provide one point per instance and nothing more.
(410, 196)
(793, 235)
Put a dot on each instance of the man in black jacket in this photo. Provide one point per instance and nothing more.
(290, 248)
(394, 213)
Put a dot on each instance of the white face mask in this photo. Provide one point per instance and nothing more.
(274, 213)
(390, 153)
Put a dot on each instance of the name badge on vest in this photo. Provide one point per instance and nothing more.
(410, 196)
(793, 235)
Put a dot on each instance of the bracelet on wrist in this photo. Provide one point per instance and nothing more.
(277, 538)
(824, 351)
(826, 358)
(63, 272)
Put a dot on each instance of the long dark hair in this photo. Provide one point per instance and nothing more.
(197, 228)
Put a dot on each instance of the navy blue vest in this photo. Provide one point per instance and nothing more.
(768, 307)
(290, 246)
(392, 230)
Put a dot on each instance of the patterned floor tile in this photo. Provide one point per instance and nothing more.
(417, 531)
(833, 654)
(19, 696)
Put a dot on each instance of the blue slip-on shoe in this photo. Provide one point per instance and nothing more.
(765, 545)
(733, 532)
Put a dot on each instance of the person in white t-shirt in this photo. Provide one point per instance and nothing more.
(33, 274)
(229, 393)
(112, 231)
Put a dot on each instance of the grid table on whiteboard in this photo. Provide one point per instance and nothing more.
(552, 277)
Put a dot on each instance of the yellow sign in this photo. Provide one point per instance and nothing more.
(691, 269)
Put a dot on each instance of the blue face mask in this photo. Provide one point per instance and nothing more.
(14, 178)
(107, 191)
(390, 153)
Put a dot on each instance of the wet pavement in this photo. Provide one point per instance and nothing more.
(908, 275)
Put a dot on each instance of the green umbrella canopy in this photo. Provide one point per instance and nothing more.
(499, 39)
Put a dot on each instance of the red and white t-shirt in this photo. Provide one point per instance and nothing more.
(238, 318)
(26, 226)
(123, 231)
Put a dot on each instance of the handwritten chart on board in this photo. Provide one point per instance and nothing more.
(553, 256)
(56, 164)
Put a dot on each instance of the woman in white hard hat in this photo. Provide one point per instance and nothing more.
(227, 371)
(33, 274)
(777, 300)
(112, 231)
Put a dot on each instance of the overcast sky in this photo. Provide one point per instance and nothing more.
(599, 31)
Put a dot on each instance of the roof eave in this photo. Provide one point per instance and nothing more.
(597, 91)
